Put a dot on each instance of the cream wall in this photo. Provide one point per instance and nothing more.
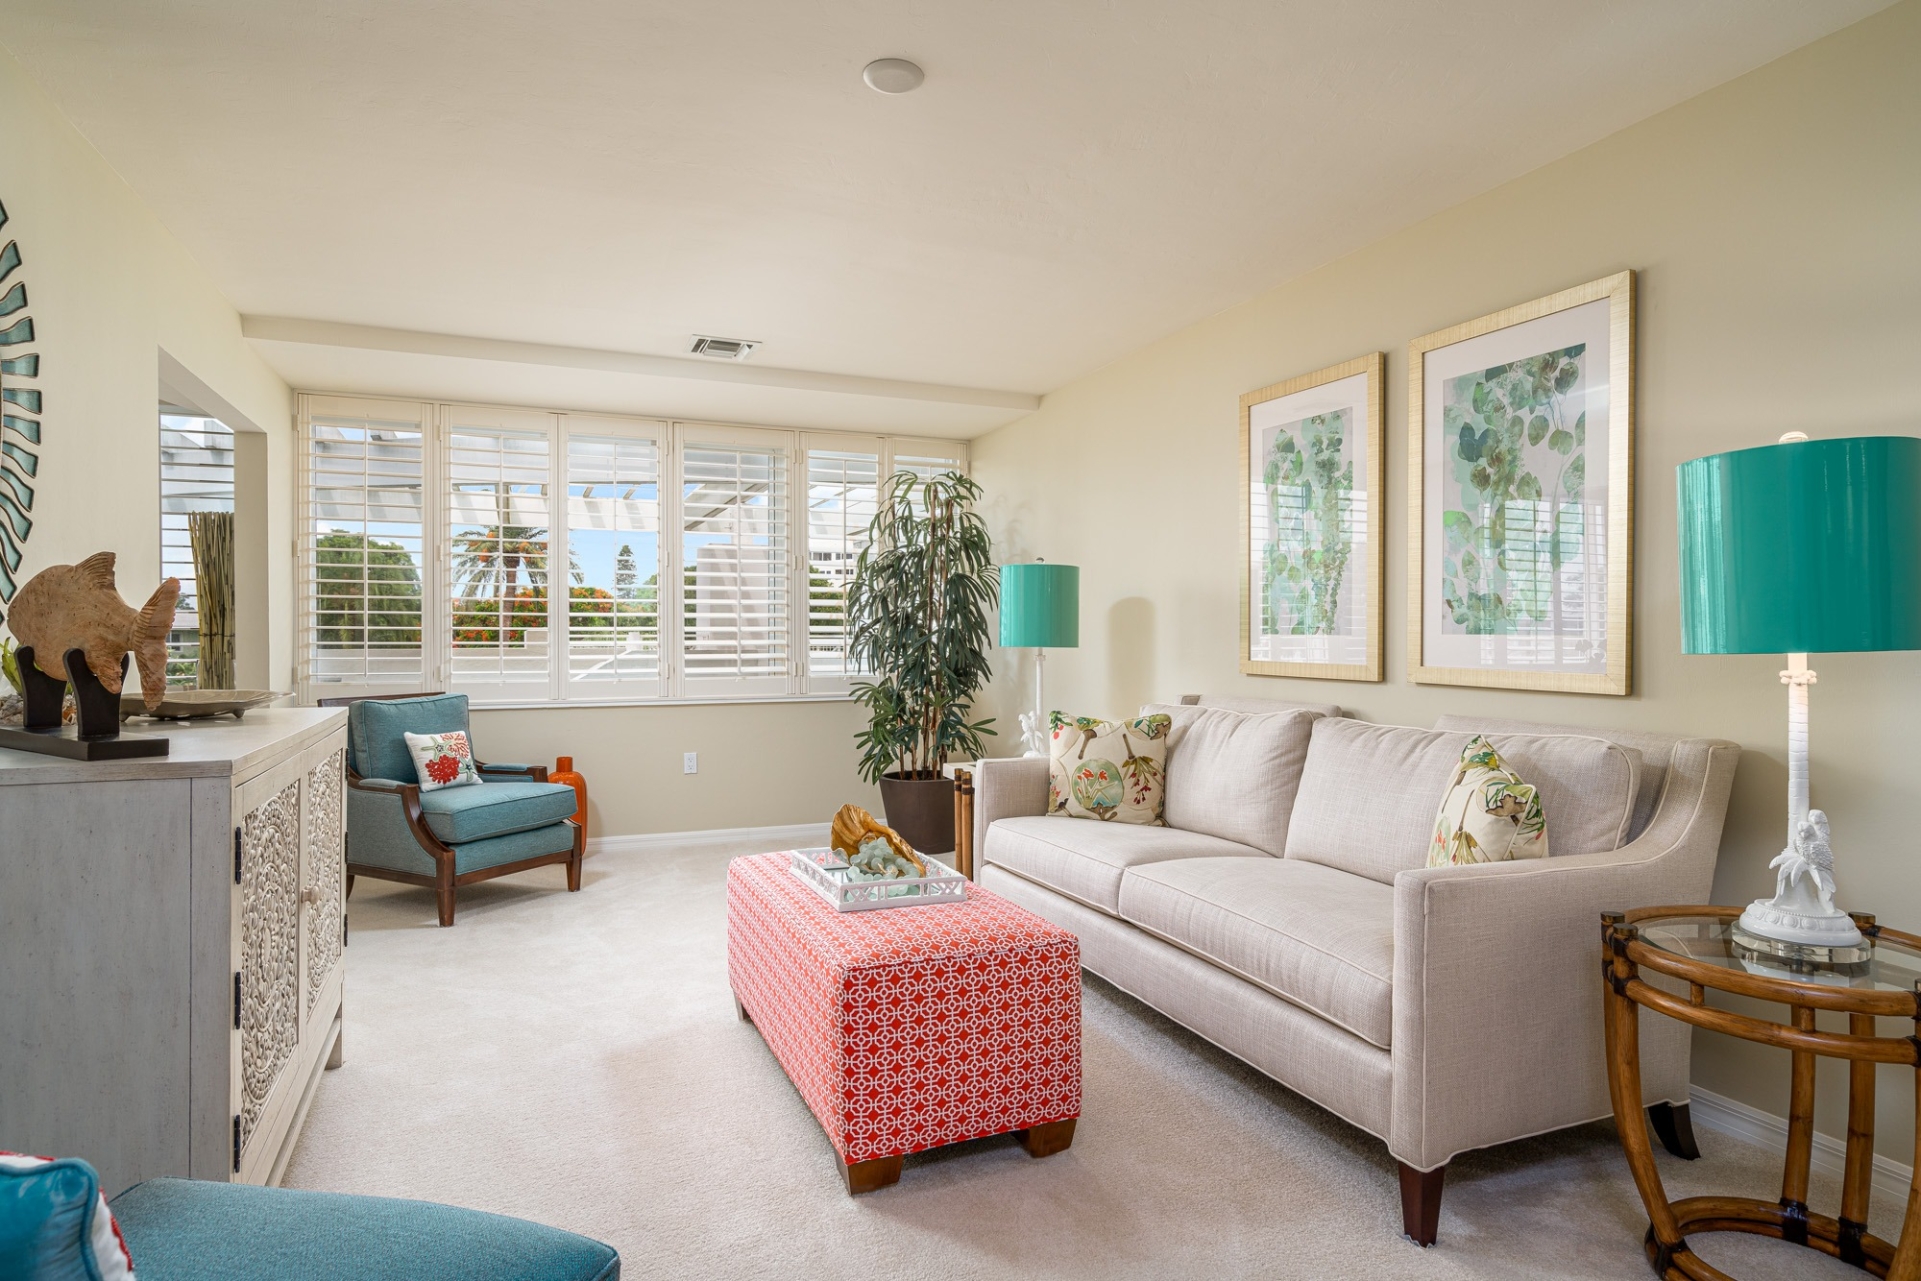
(109, 289)
(761, 764)
(1774, 223)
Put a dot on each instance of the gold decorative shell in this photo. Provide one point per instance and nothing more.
(852, 825)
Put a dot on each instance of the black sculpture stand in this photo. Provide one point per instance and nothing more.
(96, 735)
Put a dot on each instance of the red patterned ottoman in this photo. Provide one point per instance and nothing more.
(909, 1027)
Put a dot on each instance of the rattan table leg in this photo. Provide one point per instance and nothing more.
(1623, 1031)
(1858, 1172)
(1907, 1255)
(1794, 1172)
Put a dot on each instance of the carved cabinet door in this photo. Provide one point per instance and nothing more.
(323, 893)
(288, 934)
(266, 935)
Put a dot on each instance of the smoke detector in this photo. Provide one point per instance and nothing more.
(723, 348)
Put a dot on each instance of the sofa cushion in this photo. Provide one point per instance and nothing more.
(1657, 752)
(461, 814)
(1313, 935)
(194, 1230)
(1369, 793)
(1258, 706)
(1084, 861)
(376, 730)
(1234, 774)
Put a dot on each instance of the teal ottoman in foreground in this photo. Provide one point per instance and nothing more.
(189, 1230)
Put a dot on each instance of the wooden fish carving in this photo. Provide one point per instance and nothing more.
(67, 607)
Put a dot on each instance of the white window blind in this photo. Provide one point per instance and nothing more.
(734, 569)
(498, 554)
(196, 475)
(613, 551)
(362, 552)
(557, 557)
(843, 490)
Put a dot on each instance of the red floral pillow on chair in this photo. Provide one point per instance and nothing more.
(443, 760)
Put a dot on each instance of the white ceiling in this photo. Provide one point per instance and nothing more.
(1073, 180)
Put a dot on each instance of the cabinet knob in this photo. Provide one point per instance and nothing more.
(310, 895)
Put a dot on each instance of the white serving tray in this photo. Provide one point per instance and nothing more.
(945, 885)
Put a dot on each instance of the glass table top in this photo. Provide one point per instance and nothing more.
(1882, 965)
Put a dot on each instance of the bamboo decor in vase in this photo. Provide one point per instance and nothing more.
(211, 534)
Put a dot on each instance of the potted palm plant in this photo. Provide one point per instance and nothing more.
(917, 628)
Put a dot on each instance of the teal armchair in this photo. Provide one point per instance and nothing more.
(451, 836)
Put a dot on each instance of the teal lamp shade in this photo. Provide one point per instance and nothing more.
(1040, 606)
(1804, 547)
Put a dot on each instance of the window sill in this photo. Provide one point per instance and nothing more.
(574, 704)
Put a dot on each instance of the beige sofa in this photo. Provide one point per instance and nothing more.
(1286, 914)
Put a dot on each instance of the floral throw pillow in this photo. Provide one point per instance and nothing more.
(1115, 771)
(443, 760)
(1488, 815)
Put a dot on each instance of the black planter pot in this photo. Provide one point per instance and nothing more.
(921, 810)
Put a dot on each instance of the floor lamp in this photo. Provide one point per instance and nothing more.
(1041, 610)
(1802, 547)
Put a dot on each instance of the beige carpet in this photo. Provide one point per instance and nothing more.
(574, 1059)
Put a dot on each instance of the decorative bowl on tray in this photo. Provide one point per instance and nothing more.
(196, 704)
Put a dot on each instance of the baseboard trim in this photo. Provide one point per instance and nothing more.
(790, 836)
(1730, 1116)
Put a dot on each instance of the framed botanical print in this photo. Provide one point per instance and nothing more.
(1521, 495)
(1312, 473)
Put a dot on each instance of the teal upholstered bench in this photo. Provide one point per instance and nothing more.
(189, 1230)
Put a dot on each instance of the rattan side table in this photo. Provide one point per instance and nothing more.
(1695, 947)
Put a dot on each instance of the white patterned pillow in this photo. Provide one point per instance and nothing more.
(1489, 814)
(443, 760)
(1111, 770)
(103, 1245)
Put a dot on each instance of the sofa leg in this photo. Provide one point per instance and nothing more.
(1675, 1128)
(1421, 1203)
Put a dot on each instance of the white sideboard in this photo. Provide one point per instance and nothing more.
(172, 933)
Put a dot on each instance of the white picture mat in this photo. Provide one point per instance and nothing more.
(1350, 646)
(1589, 324)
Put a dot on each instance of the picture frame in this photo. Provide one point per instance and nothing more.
(1521, 495)
(1313, 466)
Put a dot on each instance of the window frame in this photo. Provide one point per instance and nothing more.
(672, 437)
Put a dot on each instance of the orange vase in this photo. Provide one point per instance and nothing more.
(564, 773)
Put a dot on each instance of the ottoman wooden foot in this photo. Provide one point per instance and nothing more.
(740, 1012)
(1046, 1140)
(871, 1176)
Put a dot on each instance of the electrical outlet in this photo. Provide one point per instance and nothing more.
(690, 763)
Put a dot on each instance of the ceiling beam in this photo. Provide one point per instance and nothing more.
(330, 333)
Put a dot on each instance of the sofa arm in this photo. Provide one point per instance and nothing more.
(1497, 988)
(1006, 787)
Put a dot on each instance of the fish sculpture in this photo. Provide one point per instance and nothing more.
(67, 607)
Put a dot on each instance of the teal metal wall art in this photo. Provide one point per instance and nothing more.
(19, 419)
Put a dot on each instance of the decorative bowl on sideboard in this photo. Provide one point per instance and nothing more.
(195, 704)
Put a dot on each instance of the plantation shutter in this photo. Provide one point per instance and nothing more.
(363, 559)
(735, 572)
(843, 491)
(614, 558)
(499, 553)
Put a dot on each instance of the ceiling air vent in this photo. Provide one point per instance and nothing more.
(723, 348)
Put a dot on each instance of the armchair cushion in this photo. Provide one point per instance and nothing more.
(1318, 937)
(377, 730)
(379, 837)
(192, 1230)
(461, 814)
(1085, 861)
